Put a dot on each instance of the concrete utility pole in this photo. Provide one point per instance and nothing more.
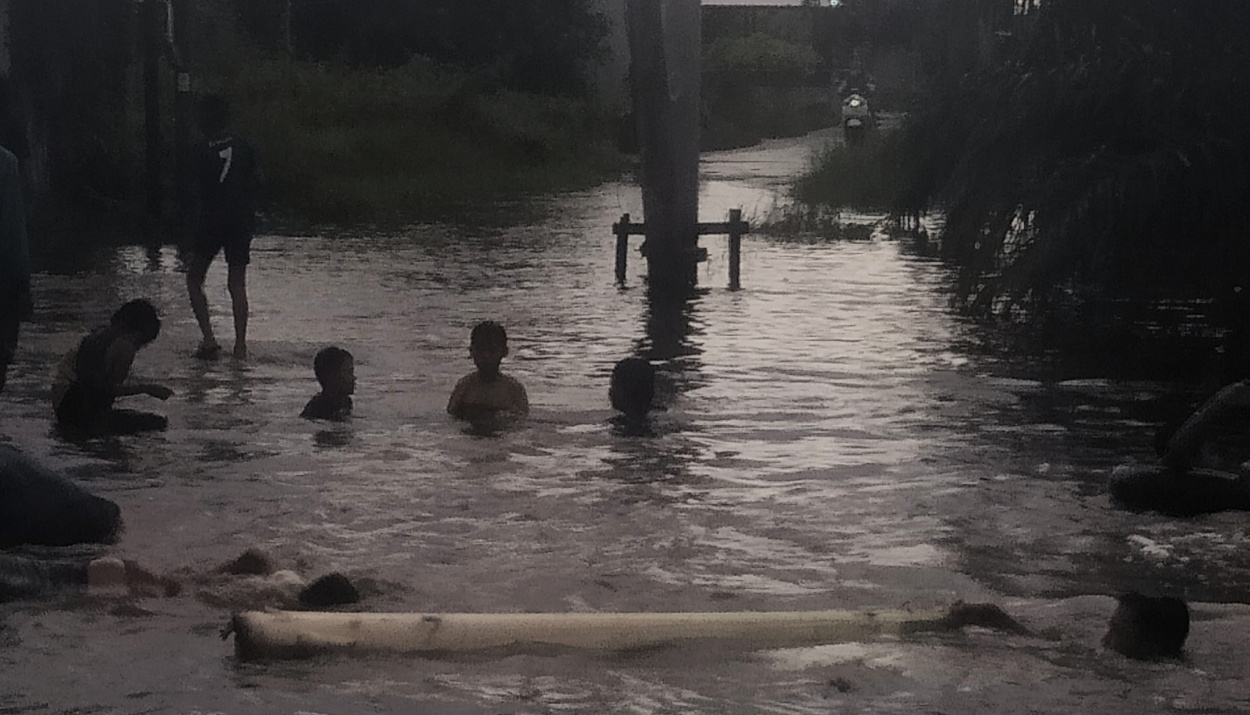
(6, 57)
(287, 39)
(152, 21)
(665, 46)
(184, 109)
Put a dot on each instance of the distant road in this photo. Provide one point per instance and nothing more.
(777, 161)
(771, 162)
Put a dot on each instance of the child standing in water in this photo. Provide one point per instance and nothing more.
(487, 393)
(228, 178)
(93, 375)
(336, 372)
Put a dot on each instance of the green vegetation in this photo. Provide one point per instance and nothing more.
(1091, 145)
(749, 91)
(368, 111)
(350, 145)
(1104, 149)
(1091, 159)
(868, 176)
(759, 54)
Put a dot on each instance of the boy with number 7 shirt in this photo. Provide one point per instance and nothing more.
(227, 178)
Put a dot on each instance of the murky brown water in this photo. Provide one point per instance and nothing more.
(831, 440)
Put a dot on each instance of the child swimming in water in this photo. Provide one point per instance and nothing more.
(487, 394)
(631, 390)
(335, 371)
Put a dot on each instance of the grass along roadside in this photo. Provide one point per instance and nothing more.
(350, 146)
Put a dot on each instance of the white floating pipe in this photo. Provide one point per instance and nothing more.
(291, 634)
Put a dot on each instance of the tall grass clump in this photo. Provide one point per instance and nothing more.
(872, 176)
(344, 144)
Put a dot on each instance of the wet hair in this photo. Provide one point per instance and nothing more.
(140, 316)
(329, 361)
(214, 114)
(633, 386)
(1148, 627)
(333, 589)
(488, 332)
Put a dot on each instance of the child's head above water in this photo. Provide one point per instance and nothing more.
(488, 346)
(335, 370)
(487, 334)
(140, 319)
(632, 387)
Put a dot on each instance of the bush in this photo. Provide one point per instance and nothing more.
(868, 177)
(420, 141)
(759, 54)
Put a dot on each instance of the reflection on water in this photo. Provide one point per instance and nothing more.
(672, 339)
(827, 441)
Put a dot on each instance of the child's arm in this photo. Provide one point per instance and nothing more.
(117, 362)
(455, 404)
(521, 401)
(1183, 447)
(160, 392)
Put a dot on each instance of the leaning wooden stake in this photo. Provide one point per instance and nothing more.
(286, 634)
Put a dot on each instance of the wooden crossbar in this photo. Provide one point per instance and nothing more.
(735, 227)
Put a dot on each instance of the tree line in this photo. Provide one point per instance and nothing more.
(73, 103)
(1085, 150)
(543, 46)
(1104, 142)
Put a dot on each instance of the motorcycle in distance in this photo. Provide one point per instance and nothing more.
(856, 119)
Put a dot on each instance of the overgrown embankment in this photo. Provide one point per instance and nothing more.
(1091, 156)
(362, 114)
(350, 145)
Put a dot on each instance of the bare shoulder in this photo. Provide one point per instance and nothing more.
(518, 400)
(515, 388)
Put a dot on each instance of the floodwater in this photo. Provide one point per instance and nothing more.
(833, 437)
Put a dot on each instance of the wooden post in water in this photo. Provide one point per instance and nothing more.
(152, 21)
(736, 228)
(621, 229)
(184, 111)
(665, 46)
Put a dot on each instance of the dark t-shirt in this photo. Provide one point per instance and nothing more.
(227, 175)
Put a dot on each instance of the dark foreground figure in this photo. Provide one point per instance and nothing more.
(1183, 494)
(1192, 478)
(43, 508)
(15, 301)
